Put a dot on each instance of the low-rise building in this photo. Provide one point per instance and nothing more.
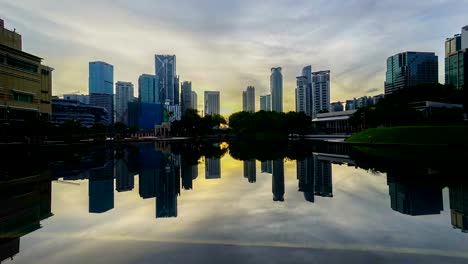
(72, 110)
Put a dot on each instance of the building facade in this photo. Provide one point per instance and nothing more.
(336, 107)
(276, 89)
(64, 110)
(456, 57)
(186, 97)
(194, 101)
(101, 87)
(25, 84)
(82, 98)
(410, 69)
(148, 89)
(248, 99)
(212, 168)
(165, 69)
(320, 92)
(212, 103)
(123, 96)
(265, 102)
(304, 91)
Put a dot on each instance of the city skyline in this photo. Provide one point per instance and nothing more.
(357, 63)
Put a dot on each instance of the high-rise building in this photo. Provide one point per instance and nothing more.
(212, 168)
(148, 89)
(459, 206)
(409, 69)
(212, 103)
(123, 96)
(276, 88)
(336, 107)
(265, 102)
(248, 99)
(278, 180)
(25, 84)
(267, 166)
(456, 57)
(304, 91)
(194, 100)
(165, 68)
(186, 97)
(101, 87)
(101, 188)
(305, 175)
(320, 92)
(250, 170)
(323, 177)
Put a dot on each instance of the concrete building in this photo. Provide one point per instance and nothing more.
(194, 101)
(265, 102)
(320, 92)
(248, 99)
(82, 98)
(72, 110)
(304, 102)
(101, 87)
(212, 104)
(123, 96)
(456, 57)
(148, 89)
(410, 69)
(186, 97)
(165, 69)
(276, 88)
(25, 84)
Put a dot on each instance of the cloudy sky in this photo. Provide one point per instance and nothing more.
(228, 45)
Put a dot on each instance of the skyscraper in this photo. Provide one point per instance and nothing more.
(148, 89)
(165, 68)
(278, 180)
(186, 96)
(212, 102)
(304, 102)
(265, 102)
(212, 168)
(456, 57)
(248, 99)
(276, 88)
(305, 175)
(409, 69)
(320, 92)
(250, 170)
(322, 177)
(194, 100)
(123, 96)
(101, 87)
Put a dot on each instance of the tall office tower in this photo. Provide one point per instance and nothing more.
(276, 89)
(304, 91)
(186, 97)
(305, 175)
(250, 170)
(101, 87)
(212, 103)
(248, 99)
(458, 194)
(267, 166)
(101, 188)
(177, 91)
(265, 102)
(278, 180)
(123, 96)
(456, 57)
(212, 168)
(194, 100)
(323, 177)
(409, 69)
(168, 188)
(165, 68)
(148, 89)
(320, 92)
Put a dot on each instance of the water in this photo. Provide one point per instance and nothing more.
(163, 203)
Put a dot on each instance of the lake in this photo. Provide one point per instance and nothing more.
(296, 202)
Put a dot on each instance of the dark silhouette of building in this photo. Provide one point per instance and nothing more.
(267, 166)
(124, 179)
(459, 206)
(189, 172)
(250, 170)
(305, 175)
(413, 198)
(150, 164)
(101, 188)
(278, 180)
(323, 177)
(212, 168)
(169, 188)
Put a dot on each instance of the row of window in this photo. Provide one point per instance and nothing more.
(21, 64)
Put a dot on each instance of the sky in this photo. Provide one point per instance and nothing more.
(229, 45)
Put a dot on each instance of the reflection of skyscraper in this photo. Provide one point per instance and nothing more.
(323, 177)
(101, 189)
(278, 180)
(250, 170)
(189, 172)
(212, 168)
(305, 175)
(412, 198)
(150, 164)
(459, 206)
(124, 179)
(267, 166)
(168, 188)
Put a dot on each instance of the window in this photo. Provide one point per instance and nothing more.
(45, 72)
(23, 97)
(23, 65)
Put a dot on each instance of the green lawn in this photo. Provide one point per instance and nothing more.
(417, 135)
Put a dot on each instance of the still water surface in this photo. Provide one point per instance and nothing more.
(148, 203)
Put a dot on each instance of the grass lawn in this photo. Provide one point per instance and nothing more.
(413, 135)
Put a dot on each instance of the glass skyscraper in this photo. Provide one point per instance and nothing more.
(248, 99)
(101, 87)
(276, 87)
(265, 102)
(409, 69)
(148, 89)
(212, 102)
(456, 57)
(168, 84)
